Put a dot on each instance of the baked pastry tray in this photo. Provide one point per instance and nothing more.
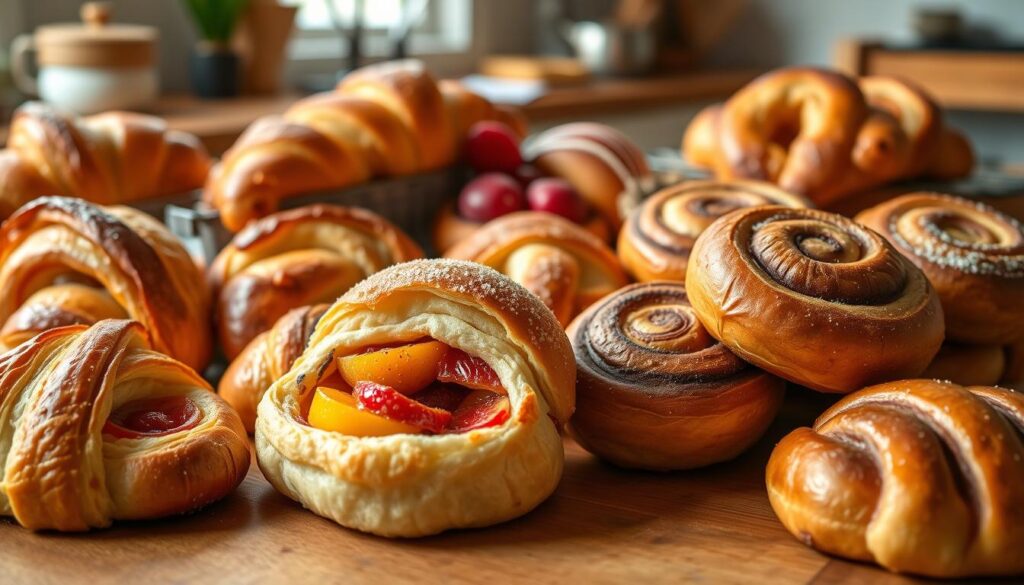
(602, 525)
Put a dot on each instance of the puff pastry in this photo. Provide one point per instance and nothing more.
(918, 476)
(294, 258)
(418, 484)
(65, 261)
(563, 264)
(96, 427)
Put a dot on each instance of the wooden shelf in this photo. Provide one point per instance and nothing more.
(966, 80)
(218, 123)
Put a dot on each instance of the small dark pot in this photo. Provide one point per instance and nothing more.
(214, 72)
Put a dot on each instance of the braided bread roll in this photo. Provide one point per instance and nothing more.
(814, 298)
(655, 391)
(972, 254)
(267, 357)
(388, 119)
(294, 258)
(656, 241)
(99, 427)
(415, 485)
(561, 263)
(605, 167)
(918, 476)
(108, 158)
(66, 261)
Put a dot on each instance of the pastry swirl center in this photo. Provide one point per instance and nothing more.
(667, 328)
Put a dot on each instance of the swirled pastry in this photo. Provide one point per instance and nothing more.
(563, 264)
(604, 166)
(918, 476)
(656, 240)
(427, 399)
(114, 157)
(98, 427)
(972, 254)
(813, 297)
(655, 391)
(267, 357)
(65, 261)
(295, 258)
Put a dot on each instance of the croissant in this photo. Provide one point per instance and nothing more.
(823, 135)
(656, 240)
(267, 357)
(363, 429)
(65, 261)
(972, 254)
(918, 476)
(383, 120)
(814, 298)
(99, 427)
(114, 157)
(561, 263)
(294, 258)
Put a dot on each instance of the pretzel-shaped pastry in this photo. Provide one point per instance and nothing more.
(563, 264)
(972, 254)
(656, 241)
(267, 357)
(383, 120)
(814, 298)
(654, 390)
(295, 258)
(115, 157)
(65, 261)
(98, 427)
(410, 482)
(918, 476)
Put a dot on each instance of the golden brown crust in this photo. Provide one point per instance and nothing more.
(918, 476)
(972, 254)
(129, 255)
(114, 157)
(267, 357)
(604, 166)
(656, 240)
(565, 265)
(968, 365)
(654, 390)
(814, 298)
(294, 258)
(63, 473)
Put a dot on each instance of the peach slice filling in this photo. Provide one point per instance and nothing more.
(421, 387)
(152, 417)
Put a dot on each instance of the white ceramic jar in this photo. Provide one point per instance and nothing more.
(92, 67)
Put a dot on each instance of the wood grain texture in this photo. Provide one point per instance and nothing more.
(603, 525)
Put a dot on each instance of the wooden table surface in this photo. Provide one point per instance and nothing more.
(602, 525)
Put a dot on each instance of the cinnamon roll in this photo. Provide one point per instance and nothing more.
(972, 254)
(814, 297)
(654, 390)
(656, 240)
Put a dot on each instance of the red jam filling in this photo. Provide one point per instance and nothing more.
(152, 417)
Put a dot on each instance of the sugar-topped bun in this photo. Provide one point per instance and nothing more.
(408, 484)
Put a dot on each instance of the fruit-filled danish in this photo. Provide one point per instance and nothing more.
(429, 397)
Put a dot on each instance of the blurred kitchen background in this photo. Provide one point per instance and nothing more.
(643, 66)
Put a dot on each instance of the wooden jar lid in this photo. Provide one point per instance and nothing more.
(96, 43)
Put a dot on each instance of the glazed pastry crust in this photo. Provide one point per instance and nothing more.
(61, 472)
(919, 476)
(134, 264)
(414, 485)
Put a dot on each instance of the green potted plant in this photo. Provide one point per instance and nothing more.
(214, 66)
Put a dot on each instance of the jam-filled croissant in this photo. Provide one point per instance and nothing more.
(429, 398)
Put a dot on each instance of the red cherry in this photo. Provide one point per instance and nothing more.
(558, 197)
(387, 402)
(526, 174)
(492, 146)
(489, 196)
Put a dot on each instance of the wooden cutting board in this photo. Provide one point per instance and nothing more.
(602, 525)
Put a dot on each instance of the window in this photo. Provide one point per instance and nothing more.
(323, 26)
